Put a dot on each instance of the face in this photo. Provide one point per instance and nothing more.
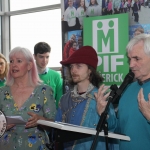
(2, 66)
(139, 62)
(73, 38)
(42, 60)
(70, 2)
(92, 2)
(137, 33)
(80, 41)
(82, 3)
(80, 73)
(74, 46)
(19, 66)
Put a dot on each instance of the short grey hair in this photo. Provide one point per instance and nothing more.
(135, 40)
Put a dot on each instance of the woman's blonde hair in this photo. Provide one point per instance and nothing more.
(2, 76)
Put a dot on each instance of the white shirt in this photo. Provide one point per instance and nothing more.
(116, 4)
(70, 16)
(94, 10)
(125, 5)
(81, 14)
(132, 3)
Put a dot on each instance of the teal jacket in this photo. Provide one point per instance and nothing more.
(85, 114)
(131, 121)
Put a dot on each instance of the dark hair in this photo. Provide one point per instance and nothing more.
(95, 3)
(41, 48)
(95, 78)
(84, 7)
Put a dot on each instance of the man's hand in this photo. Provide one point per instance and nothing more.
(101, 98)
(144, 106)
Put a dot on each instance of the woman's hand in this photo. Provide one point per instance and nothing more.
(32, 122)
(101, 98)
(10, 126)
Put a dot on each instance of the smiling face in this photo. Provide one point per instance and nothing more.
(92, 2)
(70, 3)
(2, 66)
(73, 38)
(139, 62)
(42, 60)
(82, 3)
(19, 66)
(74, 45)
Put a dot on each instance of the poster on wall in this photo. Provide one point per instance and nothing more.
(109, 37)
(75, 31)
(139, 20)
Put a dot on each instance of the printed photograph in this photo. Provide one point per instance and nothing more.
(72, 42)
(73, 12)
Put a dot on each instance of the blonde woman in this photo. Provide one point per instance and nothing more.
(3, 69)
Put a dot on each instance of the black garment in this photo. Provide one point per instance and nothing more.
(135, 10)
(135, 7)
(116, 11)
(136, 17)
(132, 11)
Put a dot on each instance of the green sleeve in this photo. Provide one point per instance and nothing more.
(59, 90)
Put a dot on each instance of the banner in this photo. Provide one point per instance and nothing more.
(107, 25)
(109, 37)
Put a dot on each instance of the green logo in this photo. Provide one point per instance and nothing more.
(108, 35)
(72, 13)
(82, 12)
(105, 39)
(92, 11)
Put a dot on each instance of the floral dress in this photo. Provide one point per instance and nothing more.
(40, 102)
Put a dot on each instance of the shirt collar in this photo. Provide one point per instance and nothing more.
(45, 71)
(75, 93)
(142, 82)
(2, 79)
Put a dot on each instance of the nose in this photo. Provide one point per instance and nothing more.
(132, 63)
(44, 59)
(73, 69)
(13, 63)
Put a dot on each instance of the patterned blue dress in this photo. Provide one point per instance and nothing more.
(40, 102)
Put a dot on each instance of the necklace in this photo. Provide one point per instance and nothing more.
(74, 98)
(80, 93)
